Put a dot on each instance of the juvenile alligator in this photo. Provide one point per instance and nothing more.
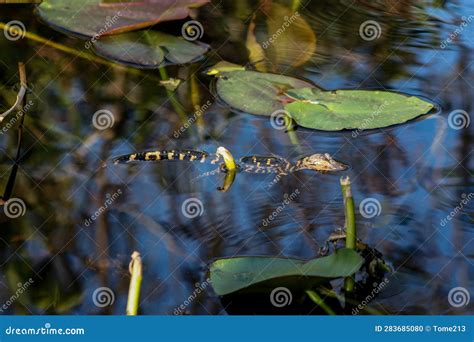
(252, 164)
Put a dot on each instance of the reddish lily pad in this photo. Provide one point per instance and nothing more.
(92, 18)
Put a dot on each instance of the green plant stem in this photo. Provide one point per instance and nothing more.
(174, 102)
(320, 302)
(351, 233)
(135, 283)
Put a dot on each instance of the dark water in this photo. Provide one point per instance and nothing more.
(418, 172)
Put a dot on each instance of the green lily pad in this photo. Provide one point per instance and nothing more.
(149, 49)
(353, 109)
(255, 92)
(97, 17)
(235, 274)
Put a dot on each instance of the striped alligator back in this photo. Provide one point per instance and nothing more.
(190, 155)
(256, 164)
(263, 161)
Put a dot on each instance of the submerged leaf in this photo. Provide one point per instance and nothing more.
(353, 109)
(291, 40)
(254, 92)
(149, 49)
(256, 54)
(234, 274)
(97, 18)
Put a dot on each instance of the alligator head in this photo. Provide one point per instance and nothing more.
(321, 163)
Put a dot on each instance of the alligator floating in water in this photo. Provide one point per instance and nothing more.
(322, 163)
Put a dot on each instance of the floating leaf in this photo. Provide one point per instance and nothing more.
(97, 18)
(353, 109)
(234, 274)
(149, 49)
(223, 66)
(254, 92)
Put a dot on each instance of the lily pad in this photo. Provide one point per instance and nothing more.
(255, 92)
(149, 49)
(353, 109)
(235, 274)
(98, 18)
